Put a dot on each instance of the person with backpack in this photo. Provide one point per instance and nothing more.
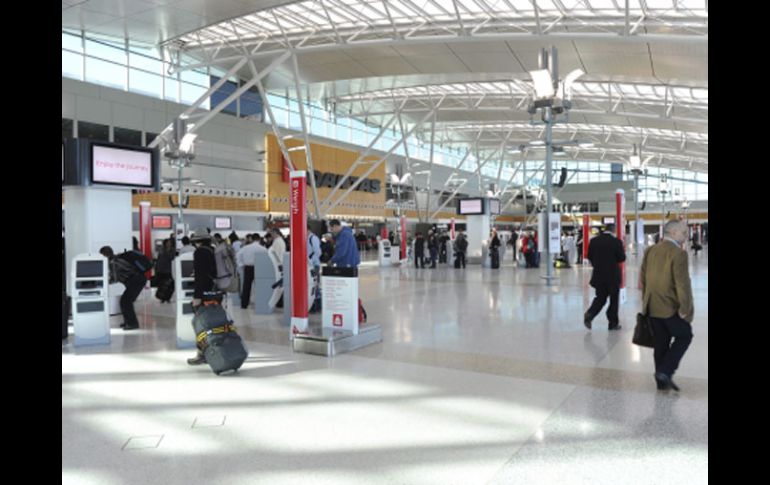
(204, 273)
(128, 268)
(224, 257)
(460, 247)
(163, 266)
(432, 248)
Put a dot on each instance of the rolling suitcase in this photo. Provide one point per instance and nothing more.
(457, 262)
(216, 336)
(165, 289)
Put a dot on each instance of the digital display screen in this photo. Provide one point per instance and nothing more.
(471, 206)
(161, 222)
(222, 223)
(187, 269)
(88, 269)
(608, 220)
(121, 166)
(494, 206)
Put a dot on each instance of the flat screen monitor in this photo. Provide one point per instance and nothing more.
(608, 220)
(161, 222)
(89, 269)
(470, 207)
(121, 166)
(494, 206)
(222, 223)
(187, 269)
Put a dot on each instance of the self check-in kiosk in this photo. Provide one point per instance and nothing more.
(384, 253)
(90, 313)
(184, 282)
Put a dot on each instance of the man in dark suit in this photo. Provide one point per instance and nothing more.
(667, 301)
(605, 253)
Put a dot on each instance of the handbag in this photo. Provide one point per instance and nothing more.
(643, 332)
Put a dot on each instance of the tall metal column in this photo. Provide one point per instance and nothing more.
(637, 221)
(549, 195)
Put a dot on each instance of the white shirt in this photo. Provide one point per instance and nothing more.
(247, 255)
(187, 249)
(237, 245)
(277, 249)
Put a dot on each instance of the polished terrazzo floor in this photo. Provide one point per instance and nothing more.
(483, 377)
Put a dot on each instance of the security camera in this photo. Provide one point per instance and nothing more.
(187, 190)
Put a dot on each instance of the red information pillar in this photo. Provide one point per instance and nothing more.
(299, 262)
(452, 231)
(145, 234)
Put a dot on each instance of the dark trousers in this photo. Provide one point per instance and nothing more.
(419, 257)
(667, 354)
(442, 256)
(134, 287)
(248, 279)
(602, 292)
(433, 254)
(461, 257)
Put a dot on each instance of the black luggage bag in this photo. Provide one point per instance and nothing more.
(165, 289)
(216, 336)
(457, 262)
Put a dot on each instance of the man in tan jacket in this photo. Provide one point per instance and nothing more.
(667, 300)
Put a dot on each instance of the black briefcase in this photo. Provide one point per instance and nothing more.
(643, 332)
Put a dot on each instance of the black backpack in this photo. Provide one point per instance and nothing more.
(462, 244)
(137, 260)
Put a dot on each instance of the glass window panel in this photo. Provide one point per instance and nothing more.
(359, 137)
(149, 137)
(71, 42)
(72, 65)
(190, 93)
(127, 137)
(145, 83)
(171, 89)
(294, 121)
(280, 116)
(105, 73)
(93, 131)
(66, 128)
(145, 62)
(195, 77)
(222, 93)
(106, 50)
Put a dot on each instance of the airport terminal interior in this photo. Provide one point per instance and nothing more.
(366, 241)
